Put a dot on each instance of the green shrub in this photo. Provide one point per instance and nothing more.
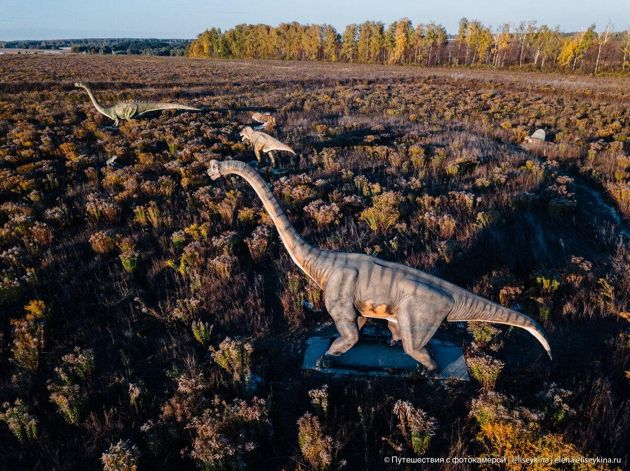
(20, 421)
(234, 356)
(202, 331)
(66, 392)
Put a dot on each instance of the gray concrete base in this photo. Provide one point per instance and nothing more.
(375, 357)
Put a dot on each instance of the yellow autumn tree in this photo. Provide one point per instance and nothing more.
(461, 38)
(331, 44)
(575, 47)
(402, 41)
(502, 42)
(626, 51)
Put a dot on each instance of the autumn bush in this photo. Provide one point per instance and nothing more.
(67, 390)
(322, 214)
(121, 456)
(319, 399)
(102, 242)
(485, 369)
(505, 431)
(227, 432)
(28, 336)
(20, 421)
(384, 213)
(234, 356)
(415, 425)
(316, 447)
(258, 242)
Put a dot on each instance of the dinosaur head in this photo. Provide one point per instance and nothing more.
(246, 133)
(214, 169)
(79, 84)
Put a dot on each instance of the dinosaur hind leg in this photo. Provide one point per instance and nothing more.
(257, 150)
(418, 320)
(349, 332)
(272, 157)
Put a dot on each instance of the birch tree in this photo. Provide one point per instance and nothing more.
(602, 40)
(349, 43)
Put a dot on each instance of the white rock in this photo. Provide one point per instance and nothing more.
(539, 135)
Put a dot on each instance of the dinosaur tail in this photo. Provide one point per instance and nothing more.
(284, 147)
(147, 107)
(471, 308)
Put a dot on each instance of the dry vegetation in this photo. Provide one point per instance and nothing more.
(150, 318)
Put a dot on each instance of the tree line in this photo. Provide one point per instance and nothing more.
(525, 45)
(131, 46)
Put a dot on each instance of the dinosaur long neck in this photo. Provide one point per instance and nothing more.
(101, 109)
(312, 261)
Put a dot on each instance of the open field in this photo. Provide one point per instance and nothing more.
(120, 284)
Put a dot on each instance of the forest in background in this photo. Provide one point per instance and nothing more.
(120, 46)
(526, 45)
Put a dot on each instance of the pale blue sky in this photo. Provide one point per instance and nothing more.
(50, 19)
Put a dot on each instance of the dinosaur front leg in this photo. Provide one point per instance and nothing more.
(338, 299)
(114, 125)
(393, 328)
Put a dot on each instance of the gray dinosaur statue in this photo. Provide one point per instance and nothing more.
(264, 143)
(413, 302)
(130, 109)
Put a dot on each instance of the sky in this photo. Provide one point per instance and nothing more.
(59, 19)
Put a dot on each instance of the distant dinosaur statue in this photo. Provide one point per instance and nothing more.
(130, 109)
(266, 119)
(413, 302)
(264, 143)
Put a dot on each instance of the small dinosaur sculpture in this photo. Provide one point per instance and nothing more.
(130, 109)
(413, 302)
(266, 119)
(265, 143)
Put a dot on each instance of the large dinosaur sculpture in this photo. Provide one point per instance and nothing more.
(130, 109)
(264, 143)
(413, 302)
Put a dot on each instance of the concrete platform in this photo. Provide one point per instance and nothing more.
(375, 357)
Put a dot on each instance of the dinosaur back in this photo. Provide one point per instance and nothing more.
(125, 110)
(271, 143)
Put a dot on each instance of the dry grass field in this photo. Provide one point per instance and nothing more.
(149, 315)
